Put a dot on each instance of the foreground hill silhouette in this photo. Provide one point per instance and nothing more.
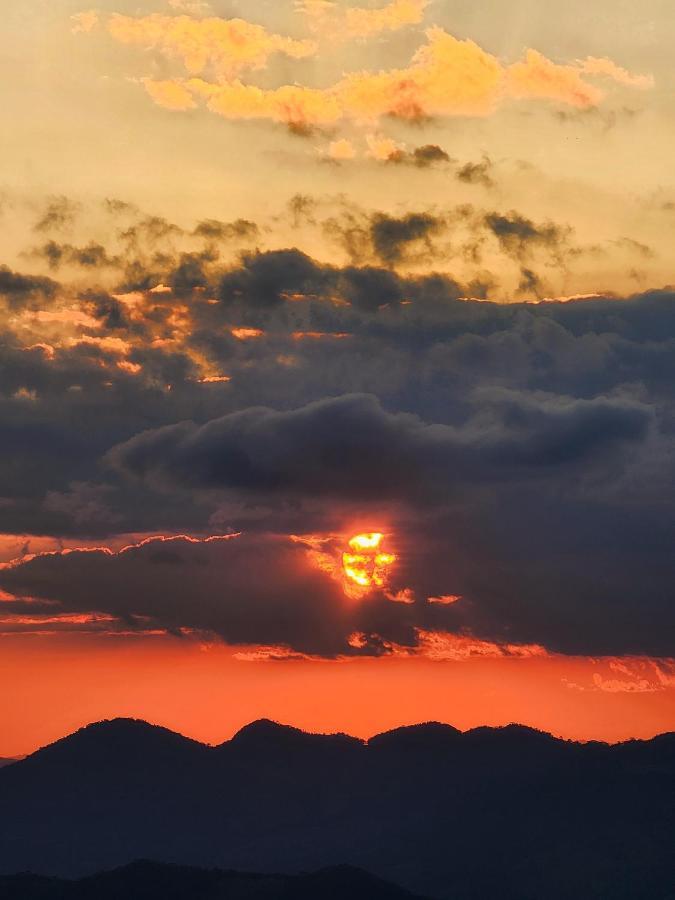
(507, 813)
(156, 881)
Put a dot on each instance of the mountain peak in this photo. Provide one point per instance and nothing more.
(432, 734)
(266, 735)
(116, 740)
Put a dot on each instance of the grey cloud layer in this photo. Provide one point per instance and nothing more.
(351, 447)
(522, 454)
(248, 590)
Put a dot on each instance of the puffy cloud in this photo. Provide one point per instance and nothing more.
(391, 236)
(340, 150)
(24, 290)
(477, 173)
(225, 46)
(594, 65)
(520, 455)
(538, 77)
(170, 94)
(84, 22)
(382, 148)
(517, 234)
(249, 590)
(350, 447)
(446, 77)
(422, 157)
(59, 215)
(358, 21)
(92, 256)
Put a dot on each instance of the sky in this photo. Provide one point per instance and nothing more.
(336, 366)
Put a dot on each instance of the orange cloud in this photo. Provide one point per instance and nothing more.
(446, 77)
(637, 676)
(247, 334)
(445, 646)
(340, 150)
(107, 343)
(84, 22)
(320, 335)
(361, 22)
(169, 94)
(445, 600)
(289, 104)
(593, 65)
(538, 77)
(382, 148)
(227, 46)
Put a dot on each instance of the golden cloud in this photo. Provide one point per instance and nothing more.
(447, 76)
(170, 94)
(84, 22)
(593, 65)
(361, 22)
(227, 46)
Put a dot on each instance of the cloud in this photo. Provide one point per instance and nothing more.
(537, 77)
(84, 22)
(350, 447)
(519, 454)
(361, 22)
(477, 173)
(340, 150)
(422, 157)
(392, 236)
(170, 94)
(59, 215)
(594, 65)
(517, 234)
(248, 590)
(446, 77)
(639, 676)
(92, 256)
(225, 47)
(24, 290)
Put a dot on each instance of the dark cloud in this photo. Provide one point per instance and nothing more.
(529, 283)
(91, 256)
(263, 279)
(517, 234)
(248, 590)
(350, 447)
(215, 230)
(521, 454)
(392, 237)
(424, 236)
(59, 215)
(477, 173)
(422, 157)
(24, 290)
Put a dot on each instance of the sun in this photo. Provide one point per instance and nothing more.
(365, 564)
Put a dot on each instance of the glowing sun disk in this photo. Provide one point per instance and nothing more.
(365, 564)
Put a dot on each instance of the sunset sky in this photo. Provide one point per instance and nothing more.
(278, 274)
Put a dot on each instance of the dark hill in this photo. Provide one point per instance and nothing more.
(508, 813)
(154, 881)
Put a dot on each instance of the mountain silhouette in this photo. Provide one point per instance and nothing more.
(509, 813)
(156, 881)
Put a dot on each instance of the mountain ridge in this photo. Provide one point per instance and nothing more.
(510, 812)
(265, 729)
(146, 880)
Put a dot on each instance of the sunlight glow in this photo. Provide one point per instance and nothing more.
(365, 564)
